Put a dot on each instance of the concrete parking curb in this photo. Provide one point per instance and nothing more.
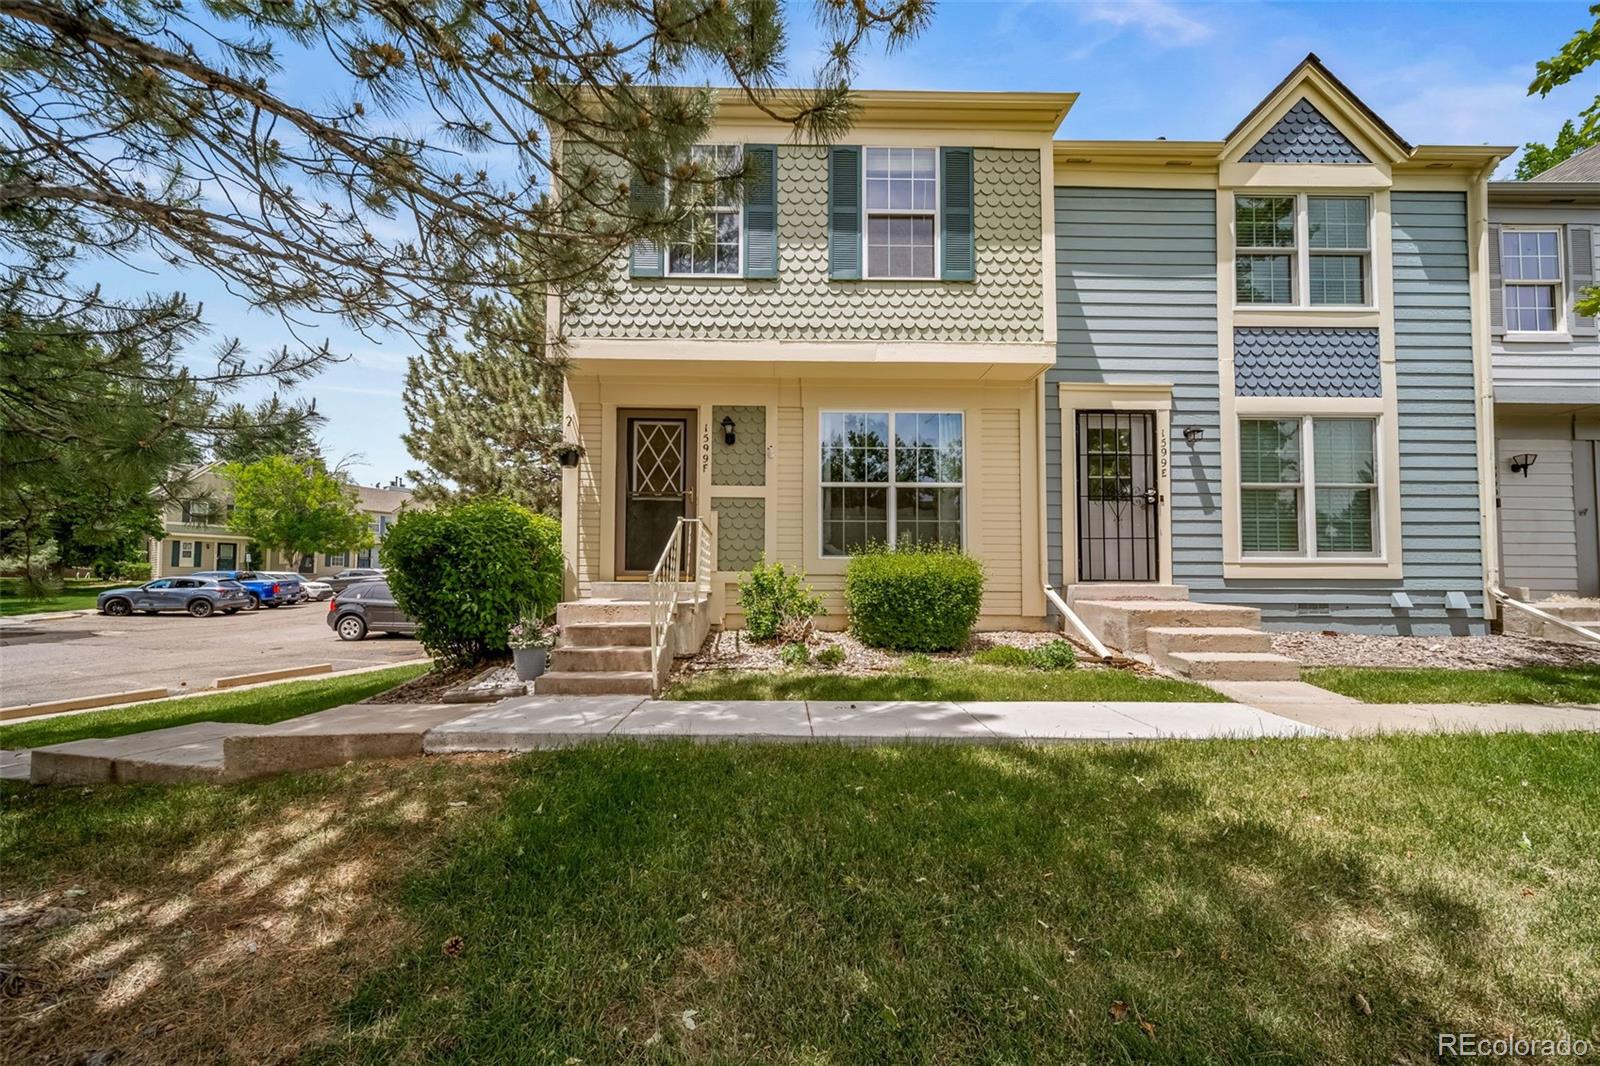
(81, 703)
(242, 680)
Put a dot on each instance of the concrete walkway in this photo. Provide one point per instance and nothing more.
(1339, 714)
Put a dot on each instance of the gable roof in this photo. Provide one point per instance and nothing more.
(1311, 62)
(1304, 135)
(1585, 166)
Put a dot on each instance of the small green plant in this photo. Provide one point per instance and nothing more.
(831, 656)
(776, 602)
(913, 598)
(1003, 655)
(794, 654)
(917, 662)
(1056, 655)
(530, 632)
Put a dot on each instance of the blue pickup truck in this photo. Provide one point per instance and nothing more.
(264, 590)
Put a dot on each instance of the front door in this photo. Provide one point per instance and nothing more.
(657, 485)
(1118, 496)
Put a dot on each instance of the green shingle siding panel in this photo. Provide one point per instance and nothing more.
(1003, 303)
(1304, 135)
(744, 462)
(741, 531)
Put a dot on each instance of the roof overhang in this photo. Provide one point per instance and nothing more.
(1022, 112)
(1179, 154)
(1544, 192)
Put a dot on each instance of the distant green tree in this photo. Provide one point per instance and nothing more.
(485, 416)
(1538, 158)
(1576, 56)
(273, 426)
(295, 506)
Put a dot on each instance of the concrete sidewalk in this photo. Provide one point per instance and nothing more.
(1339, 714)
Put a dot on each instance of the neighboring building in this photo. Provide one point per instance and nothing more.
(197, 535)
(1546, 378)
(953, 328)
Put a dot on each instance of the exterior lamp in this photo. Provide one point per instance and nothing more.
(1193, 435)
(1520, 463)
(727, 429)
(569, 454)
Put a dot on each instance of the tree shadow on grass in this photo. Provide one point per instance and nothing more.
(913, 903)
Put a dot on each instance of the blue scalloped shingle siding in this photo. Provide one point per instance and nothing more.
(1304, 135)
(1306, 361)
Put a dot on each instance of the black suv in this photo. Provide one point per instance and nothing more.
(364, 608)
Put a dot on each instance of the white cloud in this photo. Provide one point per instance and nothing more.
(354, 390)
(1159, 21)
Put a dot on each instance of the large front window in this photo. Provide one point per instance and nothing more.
(891, 478)
(1312, 503)
(1530, 266)
(902, 195)
(1306, 251)
(711, 241)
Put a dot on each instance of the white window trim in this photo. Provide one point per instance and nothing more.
(187, 553)
(892, 483)
(936, 212)
(1308, 489)
(1301, 253)
(737, 210)
(1559, 284)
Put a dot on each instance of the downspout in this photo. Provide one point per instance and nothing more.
(1077, 623)
(1483, 389)
(1544, 616)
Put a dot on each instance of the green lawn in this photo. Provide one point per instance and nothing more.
(1529, 684)
(263, 705)
(1307, 901)
(75, 596)
(938, 681)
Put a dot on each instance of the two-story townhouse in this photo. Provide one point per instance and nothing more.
(1272, 367)
(1546, 378)
(196, 536)
(857, 357)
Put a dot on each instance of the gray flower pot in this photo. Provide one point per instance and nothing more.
(530, 662)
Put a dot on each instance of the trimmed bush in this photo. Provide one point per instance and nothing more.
(777, 603)
(913, 599)
(466, 574)
(831, 656)
(794, 655)
(1056, 655)
(1003, 655)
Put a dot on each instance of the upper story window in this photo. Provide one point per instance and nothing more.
(902, 201)
(1530, 267)
(711, 243)
(1302, 251)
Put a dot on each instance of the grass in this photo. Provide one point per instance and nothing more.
(939, 681)
(1528, 684)
(1292, 901)
(262, 705)
(74, 596)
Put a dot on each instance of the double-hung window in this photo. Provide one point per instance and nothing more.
(1316, 502)
(1530, 267)
(1302, 251)
(891, 478)
(902, 198)
(710, 244)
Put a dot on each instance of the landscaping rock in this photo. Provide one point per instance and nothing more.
(1453, 653)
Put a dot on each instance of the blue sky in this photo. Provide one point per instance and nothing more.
(1438, 73)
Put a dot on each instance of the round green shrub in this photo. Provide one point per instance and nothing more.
(1003, 655)
(913, 599)
(831, 656)
(1056, 655)
(795, 655)
(466, 574)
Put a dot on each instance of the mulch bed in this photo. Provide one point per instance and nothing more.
(431, 686)
(1450, 653)
(731, 649)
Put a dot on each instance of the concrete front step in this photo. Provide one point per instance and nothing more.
(632, 590)
(1122, 623)
(1125, 590)
(605, 635)
(1233, 666)
(583, 612)
(599, 659)
(594, 683)
(1164, 640)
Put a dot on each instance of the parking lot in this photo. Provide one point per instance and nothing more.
(89, 655)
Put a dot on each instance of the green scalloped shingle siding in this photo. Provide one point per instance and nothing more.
(1004, 304)
(744, 462)
(741, 531)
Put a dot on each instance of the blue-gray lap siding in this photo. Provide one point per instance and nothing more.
(1136, 292)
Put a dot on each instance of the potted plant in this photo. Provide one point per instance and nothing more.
(530, 641)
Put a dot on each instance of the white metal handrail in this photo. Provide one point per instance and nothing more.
(1544, 616)
(666, 584)
(1077, 623)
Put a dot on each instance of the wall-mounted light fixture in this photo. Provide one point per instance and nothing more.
(569, 454)
(1193, 435)
(727, 429)
(1520, 463)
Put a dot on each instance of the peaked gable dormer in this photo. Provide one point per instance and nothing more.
(1304, 135)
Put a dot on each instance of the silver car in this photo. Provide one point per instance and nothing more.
(199, 596)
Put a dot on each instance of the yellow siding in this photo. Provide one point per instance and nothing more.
(791, 474)
(1001, 509)
(591, 427)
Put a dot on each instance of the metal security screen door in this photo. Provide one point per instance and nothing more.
(1117, 496)
(656, 493)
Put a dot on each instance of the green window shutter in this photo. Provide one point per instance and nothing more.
(957, 261)
(1497, 289)
(177, 546)
(761, 211)
(844, 212)
(646, 259)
